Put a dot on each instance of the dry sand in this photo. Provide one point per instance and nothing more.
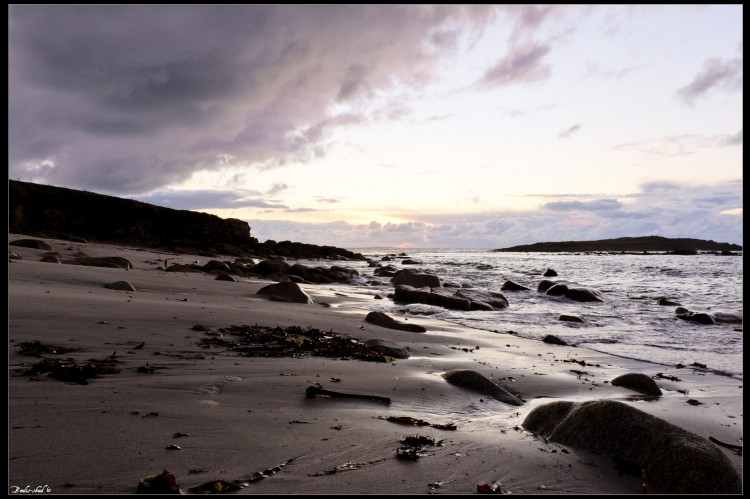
(245, 415)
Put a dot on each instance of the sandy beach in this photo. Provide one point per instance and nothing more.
(178, 399)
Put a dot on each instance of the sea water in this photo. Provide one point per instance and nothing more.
(630, 323)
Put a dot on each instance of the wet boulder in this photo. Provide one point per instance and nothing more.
(496, 301)
(553, 340)
(689, 315)
(286, 292)
(544, 285)
(638, 382)
(675, 459)
(512, 286)
(416, 279)
(474, 381)
(584, 295)
(550, 273)
(428, 296)
(557, 290)
(383, 320)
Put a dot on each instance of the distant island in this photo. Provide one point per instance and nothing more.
(646, 244)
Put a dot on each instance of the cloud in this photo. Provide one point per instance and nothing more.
(598, 205)
(128, 99)
(722, 74)
(734, 140)
(569, 131)
(680, 145)
(523, 64)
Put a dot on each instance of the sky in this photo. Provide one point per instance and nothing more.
(412, 126)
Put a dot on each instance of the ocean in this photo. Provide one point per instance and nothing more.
(629, 324)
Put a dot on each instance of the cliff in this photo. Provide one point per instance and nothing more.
(57, 212)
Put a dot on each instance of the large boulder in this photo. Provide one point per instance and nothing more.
(286, 292)
(416, 279)
(675, 459)
(477, 382)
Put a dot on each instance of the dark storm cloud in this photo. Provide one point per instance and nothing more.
(128, 99)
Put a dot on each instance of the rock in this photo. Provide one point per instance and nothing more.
(638, 382)
(268, 267)
(50, 259)
(512, 286)
(544, 285)
(387, 271)
(584, 294)
(14, 256)
(673, 458)
(706, 318)
(215, 265)
(727, 318)
(223, 276)
(121, 286)
(550, 273)
(102, 261)
(387, 347)
(699, 317)
(557, 290)
(383, 320)
(415, 279)
(410, 294)
(496, 301)
(553, 340)
(665, 301)
(286, 292)
(570, 318)
(31, 243)
(475, 381)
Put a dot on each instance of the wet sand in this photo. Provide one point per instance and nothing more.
(240, 416)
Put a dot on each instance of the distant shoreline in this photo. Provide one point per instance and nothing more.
(635, 245)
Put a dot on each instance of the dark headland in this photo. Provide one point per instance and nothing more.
(649, 244)
(68, 214)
